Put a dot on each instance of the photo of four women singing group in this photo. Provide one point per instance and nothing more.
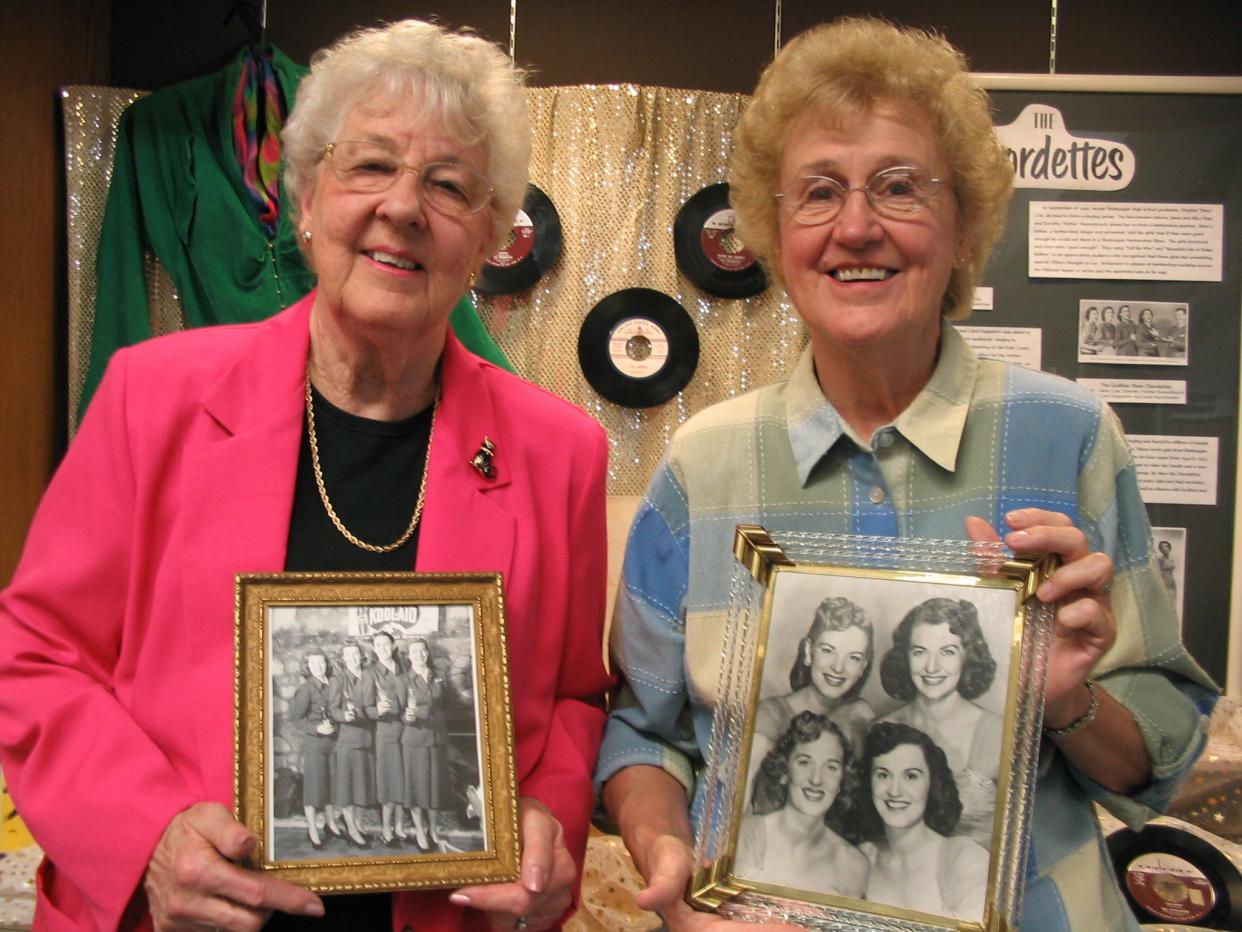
(374, 741)
(847, 792)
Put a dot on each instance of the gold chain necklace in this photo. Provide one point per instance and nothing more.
(323, 492)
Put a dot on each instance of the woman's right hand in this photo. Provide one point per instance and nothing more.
(670, 862)
(325, 727)
(191, 881)
(651, 809)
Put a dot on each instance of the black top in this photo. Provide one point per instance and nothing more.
(371, 470)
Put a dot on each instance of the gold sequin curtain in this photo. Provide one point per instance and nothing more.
(618, 161)
(91, 115)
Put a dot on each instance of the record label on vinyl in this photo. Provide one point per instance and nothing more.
(1170, 874)
(519, 249)
(715, 242)
(1170, 887)
(638, 347)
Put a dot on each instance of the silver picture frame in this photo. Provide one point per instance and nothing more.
(761, 749)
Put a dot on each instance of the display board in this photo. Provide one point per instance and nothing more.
(1127, 214)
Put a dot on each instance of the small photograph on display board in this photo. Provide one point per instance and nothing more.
(1170, 543)
(1133, 333)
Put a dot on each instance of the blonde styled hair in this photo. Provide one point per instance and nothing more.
(466, 83)
(843, 69)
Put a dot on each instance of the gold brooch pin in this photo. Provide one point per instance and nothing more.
(482, 460)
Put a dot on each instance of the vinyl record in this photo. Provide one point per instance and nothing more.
(638, 347)
(706, 251)
(1171, 875)
(535, 248)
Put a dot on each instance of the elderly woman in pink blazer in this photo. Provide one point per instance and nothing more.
(338, 435)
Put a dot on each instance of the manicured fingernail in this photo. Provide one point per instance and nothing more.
(459, 899)
(533, 881)
(313, 909)
(1019, 537)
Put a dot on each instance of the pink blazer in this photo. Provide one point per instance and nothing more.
(116, 634)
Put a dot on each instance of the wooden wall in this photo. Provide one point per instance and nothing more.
(46, 45)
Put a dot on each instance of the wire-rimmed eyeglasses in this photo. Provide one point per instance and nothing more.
(452, 188)
(896, 193)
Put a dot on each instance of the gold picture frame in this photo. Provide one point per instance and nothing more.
(291, 711)
(847, 815)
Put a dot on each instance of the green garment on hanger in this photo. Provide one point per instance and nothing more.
(177, 191)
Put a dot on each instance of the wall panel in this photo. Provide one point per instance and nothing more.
(58, 42)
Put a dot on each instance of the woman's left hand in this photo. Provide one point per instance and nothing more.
(1084, 627)
(544, 891)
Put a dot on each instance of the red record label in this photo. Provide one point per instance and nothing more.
(714, 240)
(519, 249)
(1170, 887)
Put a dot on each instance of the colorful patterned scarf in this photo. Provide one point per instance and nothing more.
(258, 116)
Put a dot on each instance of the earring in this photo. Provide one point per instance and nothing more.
(306, 236)
(472, 281)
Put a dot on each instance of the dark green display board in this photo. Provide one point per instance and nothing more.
(1187, 149)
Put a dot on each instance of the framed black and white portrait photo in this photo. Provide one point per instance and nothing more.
(885, 745)
(374, 746)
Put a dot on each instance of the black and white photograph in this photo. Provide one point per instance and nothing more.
(1133, 333)
(1170, 544)
(373, 738)
(374, 731)
(878, 741)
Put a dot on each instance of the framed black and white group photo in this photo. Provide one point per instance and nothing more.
(875, 774)
(374, 746)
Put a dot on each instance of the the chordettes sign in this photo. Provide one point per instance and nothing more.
(1046, 155)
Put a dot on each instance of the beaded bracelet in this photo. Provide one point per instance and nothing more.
(1083, 720)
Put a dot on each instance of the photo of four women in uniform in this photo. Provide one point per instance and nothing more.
(371, 721)
(876, 747)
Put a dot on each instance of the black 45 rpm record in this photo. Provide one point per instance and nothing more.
(704, 248)
(1171, 875)
(638, 347)
(535, 248)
